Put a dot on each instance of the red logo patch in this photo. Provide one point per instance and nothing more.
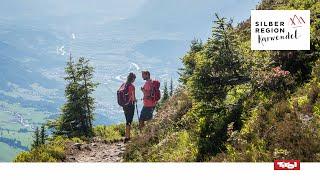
(286, 165)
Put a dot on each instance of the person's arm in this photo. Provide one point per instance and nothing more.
(134, 94)
(132, 97)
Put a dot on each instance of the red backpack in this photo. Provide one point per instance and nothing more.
(155, 91)
(123, 94)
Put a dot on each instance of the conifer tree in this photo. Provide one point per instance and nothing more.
(165, 95)
(220, 68)
(211, 71)
(77, 113)
(43, 135)
(171, 87)
(87, 88)
(189, 61)
(36, 139)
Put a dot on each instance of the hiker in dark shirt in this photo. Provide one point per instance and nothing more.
(128, 109)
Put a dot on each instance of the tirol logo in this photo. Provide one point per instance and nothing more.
(280, 30)
(286, 165)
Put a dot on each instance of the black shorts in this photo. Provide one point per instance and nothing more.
(129, 113)
(146, 113)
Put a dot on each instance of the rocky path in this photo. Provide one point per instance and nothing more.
(96, 151)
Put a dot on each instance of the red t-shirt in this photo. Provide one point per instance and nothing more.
(147, 100)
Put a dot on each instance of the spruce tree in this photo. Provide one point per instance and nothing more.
(171, 87)
(87, 88)
(77, 113)
(165, 95)
(71, 110)
(43, 135)
(189, 61)
(220, 68)
(210, 73)
(36, 139)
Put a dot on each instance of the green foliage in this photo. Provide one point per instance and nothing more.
(39, 137)
(36, 142)
(43, 135)
(171, 88)
(218, 65)
(177, 147)
(115, 132)
(169, 133)
(53, 151)
(165, 94)
(282, 132)
(189, 61)
(215, 69)
(77, 113)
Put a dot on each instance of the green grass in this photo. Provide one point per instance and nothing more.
(115, 132)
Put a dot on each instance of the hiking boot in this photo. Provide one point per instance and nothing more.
(126, 140)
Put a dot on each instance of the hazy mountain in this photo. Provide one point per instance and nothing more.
(15, 71)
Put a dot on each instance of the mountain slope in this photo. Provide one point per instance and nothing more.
(14, 72)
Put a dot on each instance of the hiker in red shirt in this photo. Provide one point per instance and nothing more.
(128, 108)
(148, 102)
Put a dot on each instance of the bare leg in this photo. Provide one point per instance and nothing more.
(128, 128)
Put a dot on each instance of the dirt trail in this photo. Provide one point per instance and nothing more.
(96, 151)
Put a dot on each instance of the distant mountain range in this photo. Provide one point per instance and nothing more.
(16, 72)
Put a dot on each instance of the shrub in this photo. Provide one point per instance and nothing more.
(52, 151)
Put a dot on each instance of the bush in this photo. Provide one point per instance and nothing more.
(109, 133)
(53, 151)
(285, 131)
(115, 132)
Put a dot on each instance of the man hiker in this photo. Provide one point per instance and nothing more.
(127, 99)
(151, 95)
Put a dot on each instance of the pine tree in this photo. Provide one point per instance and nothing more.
(220, 68)
(211, 71)
(171, 87)
(36, 139)
(43, 135)
(71, 110)
(77, 113)
(189, 61)
(87, 88)
(165, 95)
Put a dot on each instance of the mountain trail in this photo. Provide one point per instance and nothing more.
(95, 151)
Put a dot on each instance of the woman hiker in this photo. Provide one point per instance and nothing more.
(128, 108)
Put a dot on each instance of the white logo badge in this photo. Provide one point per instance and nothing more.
(280, 30)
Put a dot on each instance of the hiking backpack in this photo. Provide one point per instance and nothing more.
(123, 94)
(155, 91)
